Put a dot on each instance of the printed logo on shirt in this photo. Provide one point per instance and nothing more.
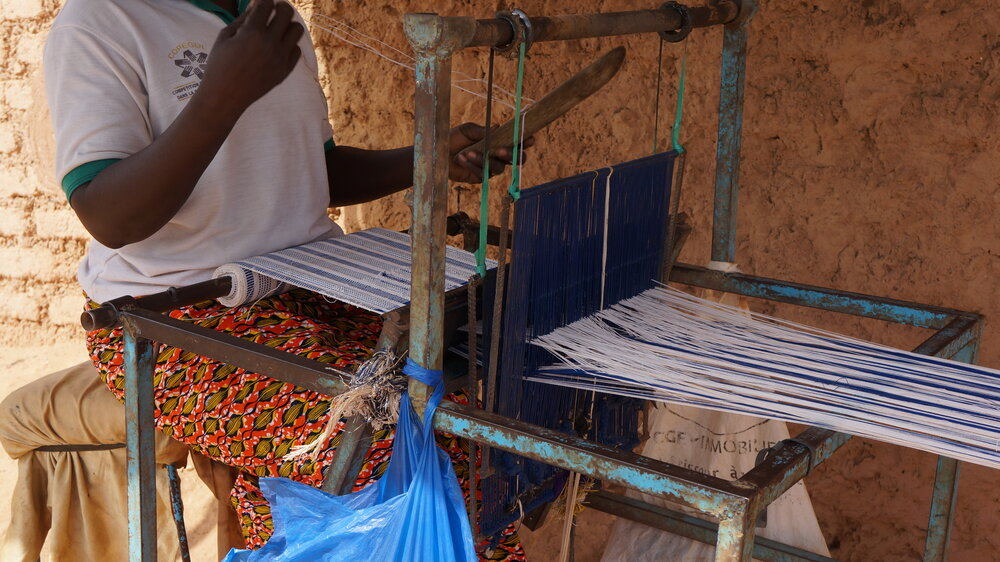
(185, 91)
(192, 63)
(183, 46)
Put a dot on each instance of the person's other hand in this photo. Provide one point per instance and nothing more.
(252, 55)
(467, 166)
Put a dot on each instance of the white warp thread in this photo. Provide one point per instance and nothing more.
(670, 346)
(369, 269)
(723, 266)
(352, 36)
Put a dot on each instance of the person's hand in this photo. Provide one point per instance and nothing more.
(467, 166)
(252, 55)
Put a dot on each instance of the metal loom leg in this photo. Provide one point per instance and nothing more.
(354, 442)
(945, 488)
(139, 428)
(177, 508)
(430, 201)
(942, 510)
(736, 533)
(727, 158)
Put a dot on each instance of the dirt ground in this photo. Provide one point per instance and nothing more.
(870, 165)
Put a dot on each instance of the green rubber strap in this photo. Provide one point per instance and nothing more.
(656, 102)
(515, 176)
(484, 216)
(675, 136)
(225, 16)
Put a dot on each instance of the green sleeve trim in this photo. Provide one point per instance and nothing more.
(328, 145)
(226, 17)
(83, 174)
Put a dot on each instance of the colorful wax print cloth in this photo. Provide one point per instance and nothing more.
(250, 421)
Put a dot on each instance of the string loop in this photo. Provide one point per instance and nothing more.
(484, 192)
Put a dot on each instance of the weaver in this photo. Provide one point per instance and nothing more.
(173, 182)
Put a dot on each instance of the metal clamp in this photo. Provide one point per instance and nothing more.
(520, 25)
(677, 35)
(762, 516)
(809, 447)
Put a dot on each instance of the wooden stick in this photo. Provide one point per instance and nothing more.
(557, 102)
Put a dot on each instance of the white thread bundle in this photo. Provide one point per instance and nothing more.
(667, 345)
(373, 394)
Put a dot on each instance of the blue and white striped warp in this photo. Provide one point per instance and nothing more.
(369, 269)
(669, 346)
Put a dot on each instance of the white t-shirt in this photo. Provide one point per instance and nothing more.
(117, 73)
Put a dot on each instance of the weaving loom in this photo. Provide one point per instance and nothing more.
(579, 244)
(592, 218)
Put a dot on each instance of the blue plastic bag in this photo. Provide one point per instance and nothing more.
(415, 512)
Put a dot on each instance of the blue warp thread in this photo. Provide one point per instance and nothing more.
(555, 279)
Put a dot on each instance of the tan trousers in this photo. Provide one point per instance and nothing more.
(75, 501)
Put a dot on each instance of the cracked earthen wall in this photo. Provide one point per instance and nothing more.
(870, 164)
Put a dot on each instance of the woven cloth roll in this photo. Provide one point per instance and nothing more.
(370, 269)
(248, 286)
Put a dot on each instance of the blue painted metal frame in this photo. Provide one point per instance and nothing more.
(177, 509)
(946, 479)
(139, 427)
(957, 337)
(833, 300)
(681, 524)
(735, 503)
(727, 158)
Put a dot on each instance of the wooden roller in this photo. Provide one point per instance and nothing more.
(558, 101)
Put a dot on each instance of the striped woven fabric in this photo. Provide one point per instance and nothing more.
(369, 269)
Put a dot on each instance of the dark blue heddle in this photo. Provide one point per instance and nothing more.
(577, 245)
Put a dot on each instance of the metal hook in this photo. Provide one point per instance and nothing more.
(680, 34)
(520, 25)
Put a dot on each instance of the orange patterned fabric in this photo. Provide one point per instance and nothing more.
(251, 421)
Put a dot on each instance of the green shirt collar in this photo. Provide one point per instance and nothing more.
(209, 6)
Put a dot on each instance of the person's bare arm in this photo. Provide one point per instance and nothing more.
(133, 198)
(358, 175)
